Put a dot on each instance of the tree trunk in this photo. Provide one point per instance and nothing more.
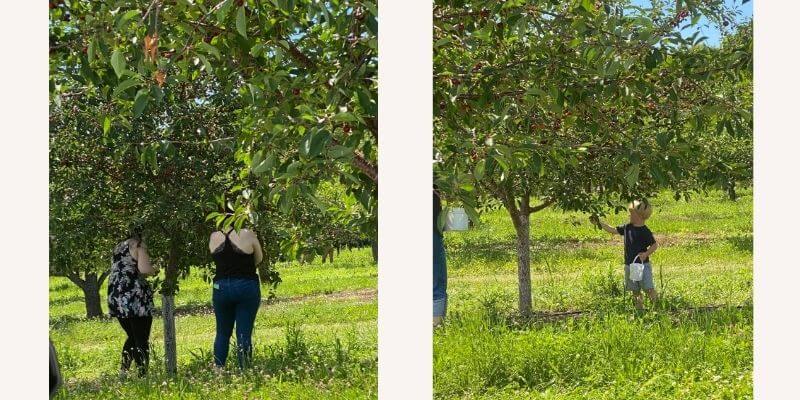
(170, 346)
(732, 191)
(168, 310)
(375, 249)
(522, 227)
(90, 285)
(91, 296)
(263, 270)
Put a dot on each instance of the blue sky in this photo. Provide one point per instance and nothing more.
(712, 33)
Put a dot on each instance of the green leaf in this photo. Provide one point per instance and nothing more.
(241, 22)
(658, 175)
(284, 5)
(211, 50)
(632, 176)
(255, 92)
(223, 11)
(106, 125)
(366, 102)
(118, 62)
(480, 168)
(652, 59)
(90, 50)
(206, 64)
(345, 117)
(472, 214)
(127, 16)
(443, 41)
(305, 145)
(257, 50)
(588, 5)
(140, 102)
(265, 165)
(535, 91)
(318, 141)
(340, 151)
(125, 85)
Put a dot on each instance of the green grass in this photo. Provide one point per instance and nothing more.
(317, 340)
(676, 351)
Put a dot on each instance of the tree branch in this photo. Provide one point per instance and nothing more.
(361, 163)
(299, 56)
(76, 279)
(540, 207)
(103, 277)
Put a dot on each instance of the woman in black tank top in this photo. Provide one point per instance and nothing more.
(237, 293)
(233, 262)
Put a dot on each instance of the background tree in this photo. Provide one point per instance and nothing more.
(581, 105)
(728, 159)
(89, 208)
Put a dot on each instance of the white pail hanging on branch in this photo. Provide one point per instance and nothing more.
(457, 220)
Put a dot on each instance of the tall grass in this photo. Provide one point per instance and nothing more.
(586, 340)
(317, 340)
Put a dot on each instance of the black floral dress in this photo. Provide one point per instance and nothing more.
(129, 294)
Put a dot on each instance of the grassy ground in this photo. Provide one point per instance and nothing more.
(678, 351)
(318, 340)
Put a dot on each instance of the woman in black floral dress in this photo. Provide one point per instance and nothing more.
(130, 299)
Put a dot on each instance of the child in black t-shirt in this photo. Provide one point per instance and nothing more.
(639, 245)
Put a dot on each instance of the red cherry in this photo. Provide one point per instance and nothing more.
(346, 128)
(296, 91)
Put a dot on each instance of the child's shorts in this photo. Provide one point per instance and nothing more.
(646, 282)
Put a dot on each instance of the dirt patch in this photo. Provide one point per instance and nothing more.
(358, 295)
(548, 316)
(361, 295)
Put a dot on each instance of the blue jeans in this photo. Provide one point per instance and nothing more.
(235, 300)
(439, 276)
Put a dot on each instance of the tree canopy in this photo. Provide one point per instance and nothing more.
(582, 105)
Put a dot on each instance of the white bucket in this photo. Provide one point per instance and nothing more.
(457, 220)
(636, 270)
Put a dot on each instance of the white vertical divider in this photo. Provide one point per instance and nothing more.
(777, 142)
(405, 209)
(24, 200)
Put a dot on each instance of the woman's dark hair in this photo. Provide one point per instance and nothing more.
(135, 232)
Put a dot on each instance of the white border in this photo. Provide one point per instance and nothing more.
(24, 165)
(777, 222)
(405, 214)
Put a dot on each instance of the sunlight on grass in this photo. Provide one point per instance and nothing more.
(316, 340)
(601, 350)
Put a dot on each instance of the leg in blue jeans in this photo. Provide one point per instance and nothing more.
(225, 314)
(439, 276)
(246, 311)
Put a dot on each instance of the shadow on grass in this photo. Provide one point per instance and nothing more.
(742, 243)
(497, 310)
(60, 287)
(66, 300)
(503, 251)
(205, 308)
